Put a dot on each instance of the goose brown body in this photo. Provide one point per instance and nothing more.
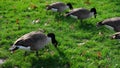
(82, 13)
(112, 22)
(59, 6)
(34, 41)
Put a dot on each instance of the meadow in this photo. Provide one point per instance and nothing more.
(81, 45)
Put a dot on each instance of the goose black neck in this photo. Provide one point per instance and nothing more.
(93, 10)
(99, 24)
(70, 5)
(54, 42)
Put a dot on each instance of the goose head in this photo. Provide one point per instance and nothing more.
(116, 36)
(48, 7)
(99, 24)
(94, 11)
(52, 36)
(13, 49)
(70, 5)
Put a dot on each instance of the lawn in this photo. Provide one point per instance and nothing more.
(81, 45)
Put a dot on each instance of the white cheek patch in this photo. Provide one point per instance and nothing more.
(24, 48)
(67, 7)
(91, 14)
(54, 10)
(75, 17)
(48, 39)
(109, 27)
(113, 36)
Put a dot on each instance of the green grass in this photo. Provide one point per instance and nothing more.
(80, 45)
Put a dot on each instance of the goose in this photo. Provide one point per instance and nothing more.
(116, 36)
(111, 23)
(33, 41)
(59, 6)
(82, 13)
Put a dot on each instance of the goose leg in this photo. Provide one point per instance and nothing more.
(81, 20)
(37, 53)
(25, 54)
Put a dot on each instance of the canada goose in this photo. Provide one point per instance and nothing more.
(33, 41)
(116, 36)
(59, 6)
(111, 23)
(82, 13)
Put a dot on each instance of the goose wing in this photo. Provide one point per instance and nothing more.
(80, 13)
(57, 5)
(31, 39)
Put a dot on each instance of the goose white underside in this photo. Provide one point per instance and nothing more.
(109, 27)
(91, 14)
(72, 16)
(24, 48)
(75, 17)
(54, 10)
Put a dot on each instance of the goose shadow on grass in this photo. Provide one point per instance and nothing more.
(52, 62)
(62, 18)
(84, 25)
(88, 27)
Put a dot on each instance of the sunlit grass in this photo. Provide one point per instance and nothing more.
(81, 45)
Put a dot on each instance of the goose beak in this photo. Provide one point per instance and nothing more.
(97, 25)
(12, 49)
(55, 44)
(47, 7)
(11, 52)
(112, 37)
